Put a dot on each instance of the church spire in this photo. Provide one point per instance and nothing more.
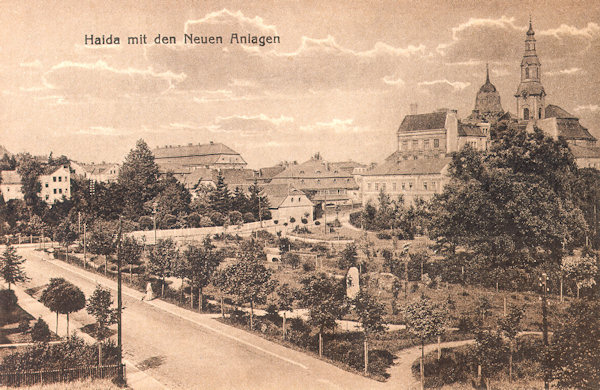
(487, 73)
(530, 93)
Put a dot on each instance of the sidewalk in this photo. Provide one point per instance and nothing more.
(136, 379)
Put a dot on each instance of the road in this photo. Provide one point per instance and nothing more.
(186, 350)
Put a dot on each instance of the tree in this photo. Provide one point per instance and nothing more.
(286, 296)
(370, 315)
(424, 320)
(66, 234)
(348, 258)
(325, 299)
(10, 266)
(101, 240)
(30, 169)
(512, 202)
(583, 269)
(63, 297)
(173, 198)
(162, 259)
(575, 356)
(258, 204)
(220, 197)
(131, 253)
(99, 306)
(248, 279)
(510, 326)
(138, 179)
(489, 352)
(202, 263)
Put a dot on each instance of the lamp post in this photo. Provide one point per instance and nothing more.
(119, 305)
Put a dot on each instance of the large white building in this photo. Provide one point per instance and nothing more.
(55, 185)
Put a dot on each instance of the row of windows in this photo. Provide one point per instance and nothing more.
(59, 178)
(403, 186)
(420, 155)
(424, 145)
(292, 199)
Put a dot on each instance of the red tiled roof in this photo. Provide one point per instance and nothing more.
(430, 121)
(430, 166)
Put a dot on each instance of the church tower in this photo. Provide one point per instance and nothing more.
(530, 94)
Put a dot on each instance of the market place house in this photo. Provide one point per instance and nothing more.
(55, 185)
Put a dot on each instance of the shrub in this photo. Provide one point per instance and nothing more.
(23, 325)
(40, 331)
(276, 221)
(8, 301)
(206, 222)
(317, 223)
(304, 221)
(146, 222)
(194, 220)
(249, 217)
(308, 266)
(291, 259)
(414, 287)
(235, 217)
(292, 220)
(384, 236)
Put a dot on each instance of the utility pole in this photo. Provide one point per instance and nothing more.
(84, 246)
(543, 285)
(119, 306)
(154, 205)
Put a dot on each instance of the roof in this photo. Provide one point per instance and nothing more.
(96, 169)
(570, 128)
(585, 151)
(211, 149)
(269, 172)
(531, 87)
(278, 193)
(10, 177)
(431, 166)
(420, 122)
(469, 130)
(553, 111)
(347, 166)
(313, 168)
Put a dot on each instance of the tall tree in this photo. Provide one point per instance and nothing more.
(248, 279)
(370, 315)
(510, 325)
(513, 205)
(11, 266)
(138, 179)
(30, 169)
(131, 253)
(173, 198)
(424, 320)
(286, 297)
(202, 263)
(258, 204)
(220, 197)
(162, 259)
(99, 305)
(62, 297)
(325, 299)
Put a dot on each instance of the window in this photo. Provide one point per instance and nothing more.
(47, 197)
(425, 185)
(426, 144)
(403, 186)
(376, 186)
(369, 186)
(394, 186)
(60, 190)
(540, 113)
(415, 144)
(54, 178)
(383, 186)
(298, 199)
(526, 113)
(292, 200)
(46, 185)
(526, 73)
(436, 143)
(415, 157)
(55, 190)
(404, 145)
(410, 186)
(60, 178)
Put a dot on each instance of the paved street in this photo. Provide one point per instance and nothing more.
(185, 350)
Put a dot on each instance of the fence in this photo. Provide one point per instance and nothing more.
(28, 378)
(23, 239)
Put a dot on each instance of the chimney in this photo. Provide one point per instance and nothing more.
(414, 108)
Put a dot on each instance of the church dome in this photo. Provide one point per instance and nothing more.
(488, 99)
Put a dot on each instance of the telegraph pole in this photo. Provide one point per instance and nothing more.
(119, 306)
(544, 286)
(154, 205)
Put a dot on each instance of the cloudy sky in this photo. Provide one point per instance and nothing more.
(339, 83)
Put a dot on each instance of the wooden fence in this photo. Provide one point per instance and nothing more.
(28, 378)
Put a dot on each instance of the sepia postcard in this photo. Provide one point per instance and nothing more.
(317, 194)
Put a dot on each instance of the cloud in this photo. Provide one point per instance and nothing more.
(318, 63)
(569, 71)
(389, 80)
(99, 79)
(501, 40)
(99, 130)
(37, 64)
(587, 107)
(338, 126)
(456, 85)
